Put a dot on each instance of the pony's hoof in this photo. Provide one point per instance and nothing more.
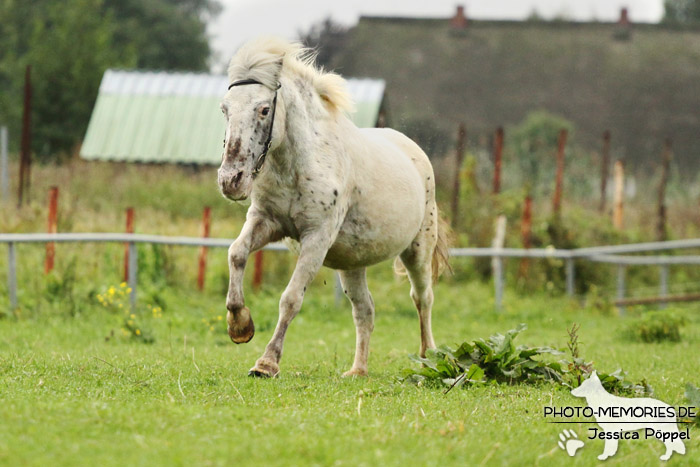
(240, 326)
(264, 369)
(354, 372)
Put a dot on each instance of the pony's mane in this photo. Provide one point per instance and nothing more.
(260, 59)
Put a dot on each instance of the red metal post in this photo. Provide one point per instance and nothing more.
(558, 188)
(497, 158)
(129, 230)
(258, 270)
(52, 228)
(206, 225)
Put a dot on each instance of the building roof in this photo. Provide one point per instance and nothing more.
(640, 81)
(144, 116)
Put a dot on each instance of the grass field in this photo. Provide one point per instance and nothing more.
(72, 397)
(79, 385)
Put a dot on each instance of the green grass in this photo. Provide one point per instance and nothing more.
(69, 396)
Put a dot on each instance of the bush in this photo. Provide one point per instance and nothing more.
(657, 326)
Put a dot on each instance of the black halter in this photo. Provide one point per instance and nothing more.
(261, 159)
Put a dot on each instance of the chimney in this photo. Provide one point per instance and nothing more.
(624, 17)
(459, 20)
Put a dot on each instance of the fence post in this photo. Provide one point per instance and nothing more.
(570, 276)
(559, 181)
(4, 176)
(526, 234)
(12, 275)
(133, 273)
(661, 208)
(52, 229)
(497, 160)
(461, 141)
(619, 178)
(605, 163)
(129, 230)
(258, 270)
(206, 223)
(621, 270)
(25, 160)
(497, 261)
(663, 283)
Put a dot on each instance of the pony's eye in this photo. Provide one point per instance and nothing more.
(265, 111)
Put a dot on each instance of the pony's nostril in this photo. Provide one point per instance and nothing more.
(237, 178)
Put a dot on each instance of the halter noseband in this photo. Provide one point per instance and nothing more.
(261, 158)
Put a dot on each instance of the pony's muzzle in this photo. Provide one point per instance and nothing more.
(232, 186)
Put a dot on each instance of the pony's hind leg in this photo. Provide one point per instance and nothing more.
(355, 287)
(417, 259)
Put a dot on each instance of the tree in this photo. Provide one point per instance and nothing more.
(328, 38)
(164, 34)
(71, 43)
(681, 11)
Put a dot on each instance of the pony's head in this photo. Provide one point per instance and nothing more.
(255, 111)
(251, 109)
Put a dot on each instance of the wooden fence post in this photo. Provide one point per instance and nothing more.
(206, 222)
(26, 145)
(618, 206)
(52, 228)
(497, 261)
(604, 164)
(459, 160)
(497, 159)
(526, 235)
(258, 270)
(129, 230)
(661, 209)
(558, 187)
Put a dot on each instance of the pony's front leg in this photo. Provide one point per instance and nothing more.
(256, 233)
(313, 252)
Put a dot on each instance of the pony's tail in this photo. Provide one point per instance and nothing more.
(441, 253)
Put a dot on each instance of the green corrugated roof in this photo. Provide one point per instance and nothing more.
(175, 117)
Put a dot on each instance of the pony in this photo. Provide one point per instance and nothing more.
(348, 198)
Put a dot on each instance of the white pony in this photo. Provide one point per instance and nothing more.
(350, 197)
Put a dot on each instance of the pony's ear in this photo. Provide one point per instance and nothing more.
(278, 67)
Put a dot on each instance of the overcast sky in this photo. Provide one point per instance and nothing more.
(245, 19)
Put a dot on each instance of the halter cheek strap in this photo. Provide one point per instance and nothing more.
(268, 141)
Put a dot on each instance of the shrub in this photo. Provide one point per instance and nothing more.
(657, 326)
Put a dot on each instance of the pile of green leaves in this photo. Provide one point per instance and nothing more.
(493, 359)
(498, 360)
(657, 326)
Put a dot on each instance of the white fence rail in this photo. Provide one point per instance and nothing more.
(613, 254)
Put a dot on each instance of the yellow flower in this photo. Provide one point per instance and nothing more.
(132, 316)
(138, 332)
(122, 285)
(128, 290)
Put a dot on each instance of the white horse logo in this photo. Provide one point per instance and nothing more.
(621, 417)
